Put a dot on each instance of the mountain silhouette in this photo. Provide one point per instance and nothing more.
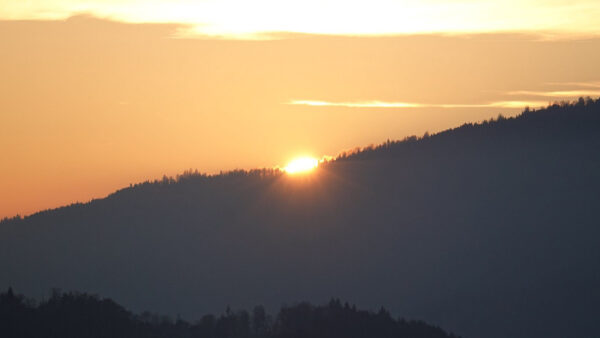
(81, 315)
(487, 230)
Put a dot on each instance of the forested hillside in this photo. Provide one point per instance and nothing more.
(487, 230)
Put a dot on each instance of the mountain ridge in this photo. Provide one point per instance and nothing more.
(357, 152)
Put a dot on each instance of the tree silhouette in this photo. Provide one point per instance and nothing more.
(82, 315)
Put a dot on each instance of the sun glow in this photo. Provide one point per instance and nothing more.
(301, 165)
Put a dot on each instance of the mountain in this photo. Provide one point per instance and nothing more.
(487, 230)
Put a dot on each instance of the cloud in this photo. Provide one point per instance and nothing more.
(384, 104)
(588, 84)
(558, 93)
(358, 104)
(240, 19)
(569, 90)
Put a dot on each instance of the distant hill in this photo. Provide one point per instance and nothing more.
(488, 230)
(80, 315)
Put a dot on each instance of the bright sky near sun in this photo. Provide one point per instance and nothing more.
(242, 18)
(98, 94)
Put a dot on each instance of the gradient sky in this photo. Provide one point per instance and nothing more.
(99, 94)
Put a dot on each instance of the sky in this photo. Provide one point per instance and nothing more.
(96, 95)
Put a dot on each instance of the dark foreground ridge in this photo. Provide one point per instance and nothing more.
(80, 315)
(487, 230)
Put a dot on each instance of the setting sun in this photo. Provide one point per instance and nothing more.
(301, 164)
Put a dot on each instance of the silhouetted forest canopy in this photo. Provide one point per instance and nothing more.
(81, 315)
(487, 230)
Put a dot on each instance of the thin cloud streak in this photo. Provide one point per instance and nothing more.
(383, 104)
(363, 104)
(559, 93)
(589, 84)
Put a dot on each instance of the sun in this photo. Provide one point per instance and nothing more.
(301, 165)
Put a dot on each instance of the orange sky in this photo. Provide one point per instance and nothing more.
(90, 105)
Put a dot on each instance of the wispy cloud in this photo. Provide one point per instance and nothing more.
(515, 104)
(569, 90)
(358, 104)
(558, 93)
(384, 104)
(588, 84)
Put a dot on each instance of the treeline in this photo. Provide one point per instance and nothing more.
(553, 116)
(82, 315)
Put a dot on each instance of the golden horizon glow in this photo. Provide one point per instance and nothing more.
(301, 165)
(251, 19)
